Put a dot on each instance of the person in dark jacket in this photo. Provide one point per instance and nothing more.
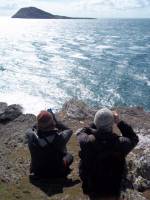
(47, 144)
(102, 156)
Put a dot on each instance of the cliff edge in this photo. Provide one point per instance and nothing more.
(15, 157)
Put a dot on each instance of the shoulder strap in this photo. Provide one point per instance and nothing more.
(43, 142)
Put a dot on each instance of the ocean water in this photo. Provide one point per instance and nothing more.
(43, 63)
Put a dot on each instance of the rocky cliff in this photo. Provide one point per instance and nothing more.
(15, 157)
(35, 13)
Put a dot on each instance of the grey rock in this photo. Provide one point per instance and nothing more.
(132, 195)
(10, 113)
(77, 110)
(13, 164)
(141, 184)
(143, 168)
(139, 170)
(132, 167)
(3, 107)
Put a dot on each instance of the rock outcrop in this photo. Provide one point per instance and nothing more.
(36, 13)
(15, 157)
(9, 113)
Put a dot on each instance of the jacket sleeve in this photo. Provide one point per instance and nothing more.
(29, 136)
(129, 138)
(61, 126)
(65, 136)
(83, 137)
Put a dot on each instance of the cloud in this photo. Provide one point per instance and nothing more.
(7, 6)
(94, 8)
(113, 4)
(14, 5)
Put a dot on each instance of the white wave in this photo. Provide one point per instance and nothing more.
(142, 77)
(80, 56)
(148, 83)
(137, 48)
(113, 92)
(30, 103)
(115, 36)
(104, 47)
(123, 64)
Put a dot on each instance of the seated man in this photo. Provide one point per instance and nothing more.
(102, 155)
(47, 144)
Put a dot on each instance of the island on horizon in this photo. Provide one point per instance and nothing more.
(36, 13)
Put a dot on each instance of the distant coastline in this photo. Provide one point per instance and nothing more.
(36, 13)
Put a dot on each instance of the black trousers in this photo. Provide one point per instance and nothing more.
(55, 172)
(68, 159)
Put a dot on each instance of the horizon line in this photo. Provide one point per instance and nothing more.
(96, 18)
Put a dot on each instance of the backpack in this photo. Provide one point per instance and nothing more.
(46, 157)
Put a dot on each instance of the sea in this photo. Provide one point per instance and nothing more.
(104, 62)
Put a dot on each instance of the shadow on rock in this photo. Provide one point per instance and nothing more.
(54, 186)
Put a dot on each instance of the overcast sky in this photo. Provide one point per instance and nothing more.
(83, 8)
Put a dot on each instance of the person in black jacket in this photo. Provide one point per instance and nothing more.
(102, 156)
(47, 144)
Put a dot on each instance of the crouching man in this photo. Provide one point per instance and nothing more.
(47, 144)
(102, 155)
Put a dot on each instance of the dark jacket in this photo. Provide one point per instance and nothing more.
(47, 150)
(102, 155)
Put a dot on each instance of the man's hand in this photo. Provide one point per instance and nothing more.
(116, 117)
(82, 130)
(87, 130)
(50, 111)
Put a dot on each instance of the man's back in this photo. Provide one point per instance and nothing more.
(46, 153)
(47, 142)
(103, 165)
(102, 154)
